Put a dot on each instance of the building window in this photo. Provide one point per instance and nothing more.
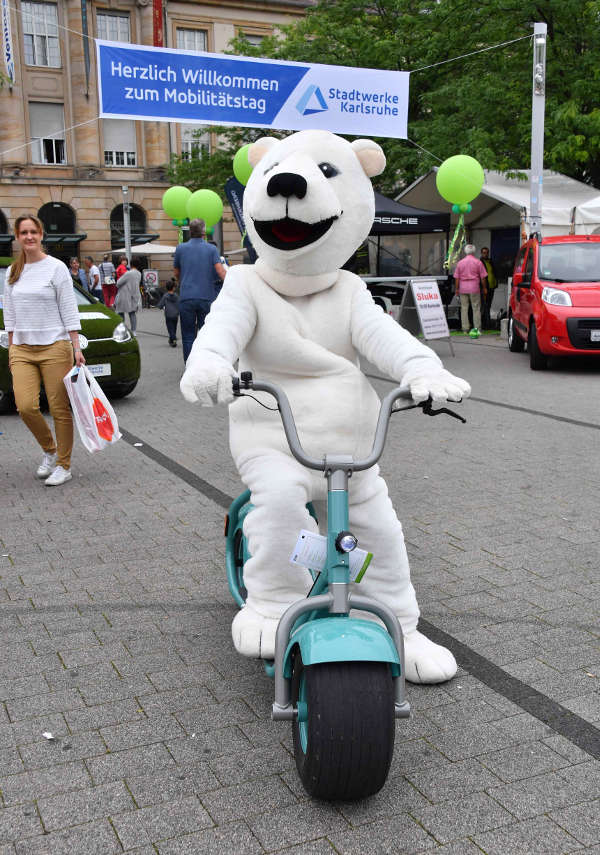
(120, 147)
(255, 39)
(195, 141)
(40, 34)
(191, 39)
(113, 28)
(137, 224)
(47, 126)
(57, 217)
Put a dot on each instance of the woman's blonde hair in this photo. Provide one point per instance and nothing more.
(17, 267)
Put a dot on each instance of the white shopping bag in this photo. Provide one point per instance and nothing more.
(95, 418)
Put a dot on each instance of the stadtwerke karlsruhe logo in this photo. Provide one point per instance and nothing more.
(312, 101)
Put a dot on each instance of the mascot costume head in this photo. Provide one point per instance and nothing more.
(309, 202)
(298, 320)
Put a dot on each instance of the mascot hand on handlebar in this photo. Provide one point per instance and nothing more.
(297, 320)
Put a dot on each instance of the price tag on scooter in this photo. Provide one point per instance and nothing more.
(311, 552)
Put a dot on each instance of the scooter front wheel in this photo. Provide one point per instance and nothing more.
(344, 733)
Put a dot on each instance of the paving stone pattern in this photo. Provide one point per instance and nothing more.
(115, 628)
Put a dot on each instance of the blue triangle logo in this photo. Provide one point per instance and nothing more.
(312, 101)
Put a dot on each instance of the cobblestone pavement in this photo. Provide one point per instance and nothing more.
(115, 628)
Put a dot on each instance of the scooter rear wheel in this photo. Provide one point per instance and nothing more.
(344, 734)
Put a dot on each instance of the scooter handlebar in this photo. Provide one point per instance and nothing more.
(245, 381)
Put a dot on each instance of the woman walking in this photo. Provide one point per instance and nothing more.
(129, 298)
(42, 321)
(108, 280)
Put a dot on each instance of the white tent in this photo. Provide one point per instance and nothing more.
(148, 249)
(503, 202)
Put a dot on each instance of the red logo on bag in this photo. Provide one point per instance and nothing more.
(103, 420)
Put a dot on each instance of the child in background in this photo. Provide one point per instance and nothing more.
(170, 303)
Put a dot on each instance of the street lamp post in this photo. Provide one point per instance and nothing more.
(538, 105)
(126, 222)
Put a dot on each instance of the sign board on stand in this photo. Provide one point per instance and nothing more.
(149, 279)
(422, 310)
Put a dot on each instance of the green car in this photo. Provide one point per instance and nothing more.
(111, 353)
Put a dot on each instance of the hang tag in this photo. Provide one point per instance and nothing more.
(311, 552)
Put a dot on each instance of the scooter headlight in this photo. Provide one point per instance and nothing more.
(121, 333)
(556, 297)
(346, 542)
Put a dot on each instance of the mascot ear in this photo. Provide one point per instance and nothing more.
(258, 149)
(371, 156)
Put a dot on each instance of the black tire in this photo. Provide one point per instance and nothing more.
(121, 391)
(238, 557)
(537, 360)
(344, 747)
(515, 342)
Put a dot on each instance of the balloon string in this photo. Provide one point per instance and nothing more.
(456, 244)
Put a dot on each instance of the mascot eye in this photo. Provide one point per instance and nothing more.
(328, 170)
(269, 168)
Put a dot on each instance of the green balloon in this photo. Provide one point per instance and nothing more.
(242, 169)
(205, 205)
(459, 179)
(174, 201)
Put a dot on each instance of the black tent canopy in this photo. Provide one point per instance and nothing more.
(394, 218)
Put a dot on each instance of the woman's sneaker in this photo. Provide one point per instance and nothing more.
(59, 476)
(47, 466)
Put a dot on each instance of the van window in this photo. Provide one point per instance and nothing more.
(528, 273)
(520, 259)
(570, 262)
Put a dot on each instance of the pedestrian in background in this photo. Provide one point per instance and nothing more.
(492, 282)
(470, 276)
(121, 267)
(94, 277)
(108, 280)
(170, 303)
(42, 321)
(129, 298)
(194, 265)
(78, 274)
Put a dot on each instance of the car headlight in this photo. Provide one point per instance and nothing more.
(556, 297)
(3, 338)
(83, 342)
(121, 333)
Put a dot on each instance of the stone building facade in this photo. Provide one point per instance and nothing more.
(60, 161)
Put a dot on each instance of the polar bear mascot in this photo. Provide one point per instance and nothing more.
(297, 320)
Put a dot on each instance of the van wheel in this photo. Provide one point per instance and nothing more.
(538, 361)
(515, 342)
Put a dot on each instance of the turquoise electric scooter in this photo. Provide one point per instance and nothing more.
(338, 679)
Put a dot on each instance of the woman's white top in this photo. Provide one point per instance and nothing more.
(40, 308)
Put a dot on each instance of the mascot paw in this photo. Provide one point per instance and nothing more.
(254, 635)
(426, 662)
(436, 383)
(207, 384)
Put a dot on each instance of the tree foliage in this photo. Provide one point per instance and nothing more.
(479, 105)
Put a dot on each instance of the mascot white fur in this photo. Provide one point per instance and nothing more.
(297, 320)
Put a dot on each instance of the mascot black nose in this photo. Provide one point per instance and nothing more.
(287, 184)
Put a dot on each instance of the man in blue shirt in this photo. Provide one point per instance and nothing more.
(194, 265)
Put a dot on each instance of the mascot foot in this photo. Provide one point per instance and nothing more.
(426, 662)
(254, 635)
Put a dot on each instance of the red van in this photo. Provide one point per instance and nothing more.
(555, 298)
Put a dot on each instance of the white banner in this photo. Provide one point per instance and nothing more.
(430, 308)
(162, 84)
(9, 57)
